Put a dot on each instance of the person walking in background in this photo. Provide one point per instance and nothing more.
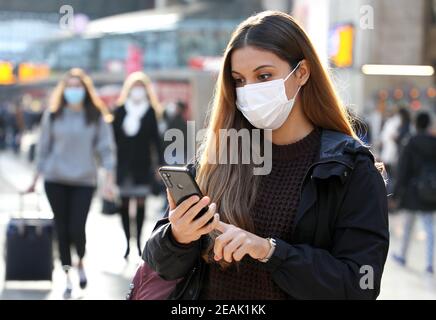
(138, 148)
(74, 136)
(415, 189)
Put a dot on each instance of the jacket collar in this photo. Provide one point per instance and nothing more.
(337, 149)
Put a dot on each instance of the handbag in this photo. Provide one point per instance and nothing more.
(110, 207)
(148, 285)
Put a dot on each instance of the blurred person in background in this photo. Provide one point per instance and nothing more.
(174, 119)
(138, 149)
(374, 120)
(32, 112)
(415, 189)
(389, 146)
(2, 128)
(33, 115)
(404, 129)
(14, 126)
(74, 137)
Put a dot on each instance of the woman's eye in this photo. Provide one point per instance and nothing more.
(264, 76)
(239, 82)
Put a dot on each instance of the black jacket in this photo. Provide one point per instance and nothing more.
(134, 154)
(418, 153)
(341, 228)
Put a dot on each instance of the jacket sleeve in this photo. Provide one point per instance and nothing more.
(353, 268)
(170, 259)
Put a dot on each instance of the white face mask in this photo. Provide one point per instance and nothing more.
(265, 105)
(138, 94)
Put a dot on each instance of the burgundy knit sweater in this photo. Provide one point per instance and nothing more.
(273, 215)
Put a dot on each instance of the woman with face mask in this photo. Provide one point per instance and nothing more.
(75, 137)
(316, 226)
(138, 143)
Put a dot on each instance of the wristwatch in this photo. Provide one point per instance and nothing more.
(272, 243)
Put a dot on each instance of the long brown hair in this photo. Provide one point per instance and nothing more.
(233, 187)
(140, 76)
(94, 106)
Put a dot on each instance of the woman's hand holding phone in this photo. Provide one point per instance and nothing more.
(184, 227)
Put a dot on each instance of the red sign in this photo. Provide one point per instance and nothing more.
(134, 60)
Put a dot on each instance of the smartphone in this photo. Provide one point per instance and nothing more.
(181, 185)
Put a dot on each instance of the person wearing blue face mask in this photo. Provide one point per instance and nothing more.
(74, 96)
(75, 138)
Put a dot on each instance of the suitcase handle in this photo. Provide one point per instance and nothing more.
(21, 203)
(22, 225)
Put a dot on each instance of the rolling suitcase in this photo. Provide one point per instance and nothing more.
(29, 247)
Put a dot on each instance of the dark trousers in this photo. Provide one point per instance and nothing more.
(70, 206)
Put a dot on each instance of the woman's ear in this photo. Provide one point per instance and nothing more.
(303, 72)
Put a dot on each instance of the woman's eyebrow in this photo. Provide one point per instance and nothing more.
(257, 68)
(263, 66)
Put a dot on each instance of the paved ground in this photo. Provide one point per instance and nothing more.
(410, 282)
(109, 274)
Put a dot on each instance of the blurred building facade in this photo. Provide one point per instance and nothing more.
(24, 22)
(164, 37)
(402, 34)
(174, 39)
(392, 59)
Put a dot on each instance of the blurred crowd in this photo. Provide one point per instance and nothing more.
(406, 145)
